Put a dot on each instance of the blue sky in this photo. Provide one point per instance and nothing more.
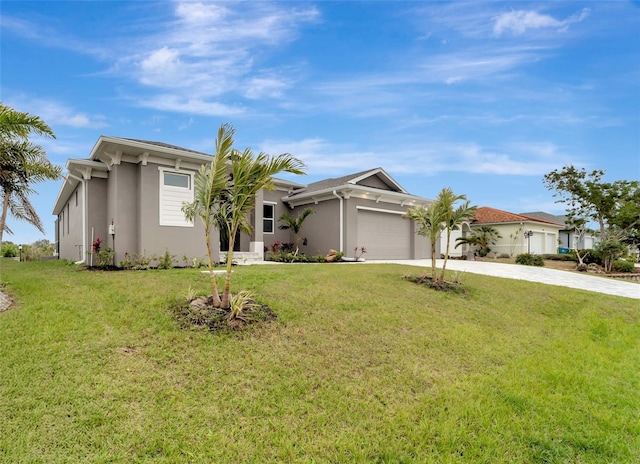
(482, 97)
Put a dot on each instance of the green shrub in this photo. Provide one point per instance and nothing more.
(529, 259)
(571, 256)
(105, 257)
(622, 266)
(9, 250)
(166, 261)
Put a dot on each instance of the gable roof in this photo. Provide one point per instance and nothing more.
(487, 215)
(374, 184)
(349, 180)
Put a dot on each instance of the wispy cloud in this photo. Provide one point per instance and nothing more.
(520, 21)
(55, 113)
(428, 159)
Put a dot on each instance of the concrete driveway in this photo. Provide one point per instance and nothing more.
(543, 275)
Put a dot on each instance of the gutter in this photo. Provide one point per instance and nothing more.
(341, 220)
(84, 217)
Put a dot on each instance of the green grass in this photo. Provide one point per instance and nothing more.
(361, 366)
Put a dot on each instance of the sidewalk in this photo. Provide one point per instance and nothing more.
(543, 275)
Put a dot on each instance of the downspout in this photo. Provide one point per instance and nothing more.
(341, 220)
(84, 218)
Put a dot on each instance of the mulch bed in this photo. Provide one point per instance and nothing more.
(200, 313)
(440, 285)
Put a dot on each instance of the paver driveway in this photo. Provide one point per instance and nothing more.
(534, 274)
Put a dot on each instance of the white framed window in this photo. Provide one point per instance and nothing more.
(268, 218)
(176, 188)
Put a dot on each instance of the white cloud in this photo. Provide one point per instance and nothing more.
(176, 103)
(56, 113)
(429, 159)
(519, 21)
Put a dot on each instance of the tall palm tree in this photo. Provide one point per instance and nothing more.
(295, 224)
(249, 175)
(483, 237)
(429, 220)
(211, 183)
(22, 164)
(452, 218)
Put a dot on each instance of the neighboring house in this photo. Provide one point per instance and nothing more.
(129, 193)
(542, 238)
(568, 237)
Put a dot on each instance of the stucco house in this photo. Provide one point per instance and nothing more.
(129, 193)
(568, 237)
(541, 238)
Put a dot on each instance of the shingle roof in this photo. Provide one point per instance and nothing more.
(557, 218)
(330, 183)
(487, 215)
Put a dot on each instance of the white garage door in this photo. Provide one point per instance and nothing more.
(537, 243)
(384, 235)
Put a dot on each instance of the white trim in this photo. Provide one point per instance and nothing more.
(341, 220)
(379, 210)
(273, 229)
(186, 195)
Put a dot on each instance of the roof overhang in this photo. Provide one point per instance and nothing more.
(350, 190)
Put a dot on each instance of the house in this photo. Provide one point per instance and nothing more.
(568, 236)
(520, 233)
(129, 194)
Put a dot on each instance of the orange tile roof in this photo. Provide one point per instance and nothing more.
(486, 215)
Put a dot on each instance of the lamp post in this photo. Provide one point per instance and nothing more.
(527, 235)
(20, 249)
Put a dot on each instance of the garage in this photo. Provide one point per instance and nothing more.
(385, 235)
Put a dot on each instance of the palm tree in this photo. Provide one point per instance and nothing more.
(429, 220)
(211, 183)
(483, 237)
(295, 224)
(17, 125)
(22, 164)
(452, 218)
(249, 175)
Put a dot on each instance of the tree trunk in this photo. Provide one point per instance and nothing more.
(226, 293)
(446, 256)
(5, 208)
(214, 286)
(433, 261)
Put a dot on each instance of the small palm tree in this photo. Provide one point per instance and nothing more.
(211, 183)
(452, 218)
(429, 220)
(249, 174)
(482, 238)
(295, 224)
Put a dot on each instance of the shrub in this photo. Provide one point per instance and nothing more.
(9, 250)
(105, 257)
(166, 261)
(529, 259)
(622, 266)
(559, 257)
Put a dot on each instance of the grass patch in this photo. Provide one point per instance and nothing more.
(360, 366)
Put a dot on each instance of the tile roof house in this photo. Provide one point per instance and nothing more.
(129, 193)
(542, 238)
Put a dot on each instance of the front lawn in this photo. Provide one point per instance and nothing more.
(360, 366)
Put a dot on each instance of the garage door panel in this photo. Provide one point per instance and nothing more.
(384, 235)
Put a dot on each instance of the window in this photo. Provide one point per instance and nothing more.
(172, 179)
(268, 218)
(176, 188)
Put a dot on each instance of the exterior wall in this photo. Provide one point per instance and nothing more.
(322, 229)
(284, 236)
(97, 214)
(148, 235)
(70, 227)
(544, 240)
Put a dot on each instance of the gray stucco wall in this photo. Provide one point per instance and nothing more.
(97, 214)
(70, 227)
(153, 238)
(322, 228)
(284, 236)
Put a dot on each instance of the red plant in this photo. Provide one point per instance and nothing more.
(96, 245)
